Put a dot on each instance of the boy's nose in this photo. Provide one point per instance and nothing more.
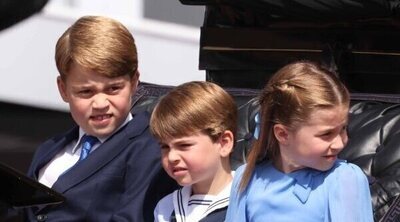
(173, 156)
(100, 102)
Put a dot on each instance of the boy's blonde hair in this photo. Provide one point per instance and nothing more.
(194, 107)
(97, 43)
(289, 98)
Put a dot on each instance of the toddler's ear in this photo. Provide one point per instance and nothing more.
(281, 134)
(226, 141)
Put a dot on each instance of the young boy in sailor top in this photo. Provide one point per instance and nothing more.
(195, 124)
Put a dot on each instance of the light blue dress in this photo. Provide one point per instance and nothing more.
(340, 194)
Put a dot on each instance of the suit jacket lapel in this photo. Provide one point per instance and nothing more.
(102, 155)
(51, 150)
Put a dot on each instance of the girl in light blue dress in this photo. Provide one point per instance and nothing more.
(292, 172)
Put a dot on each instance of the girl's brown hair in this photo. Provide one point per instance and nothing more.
(289, 97)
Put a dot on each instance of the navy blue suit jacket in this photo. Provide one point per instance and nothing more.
(112, 184)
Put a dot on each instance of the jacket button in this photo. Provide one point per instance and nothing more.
(41, 217)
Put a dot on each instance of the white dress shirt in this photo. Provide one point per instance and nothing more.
(68, 156)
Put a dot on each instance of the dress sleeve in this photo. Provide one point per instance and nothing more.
(237, 199)
(349, 195)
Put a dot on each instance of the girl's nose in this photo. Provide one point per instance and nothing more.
(339, 142)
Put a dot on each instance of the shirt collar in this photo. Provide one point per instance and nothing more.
(304, 181)
(101, 139)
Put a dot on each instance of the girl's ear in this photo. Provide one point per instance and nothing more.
(281, 133)
(226, 141)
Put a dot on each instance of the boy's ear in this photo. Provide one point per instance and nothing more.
(226, 141)
(62, 89)
(281, 133)
(135, 80)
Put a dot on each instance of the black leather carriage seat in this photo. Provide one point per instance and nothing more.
(374, 132)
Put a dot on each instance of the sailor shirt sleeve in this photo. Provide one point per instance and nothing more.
(164, 209)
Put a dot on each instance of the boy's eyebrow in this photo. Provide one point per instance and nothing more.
(184, 139)
(177, 141)
(115, 82)
(80, 86)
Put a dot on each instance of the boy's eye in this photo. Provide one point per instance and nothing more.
(114, 89)
(84, 92)
(185, 145)
(163, 146)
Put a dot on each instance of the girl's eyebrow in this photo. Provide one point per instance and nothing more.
(329, 128)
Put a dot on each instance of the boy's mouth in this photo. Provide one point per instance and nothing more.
(101, 117)
(177, 171)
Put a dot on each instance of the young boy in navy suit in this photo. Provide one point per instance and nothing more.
(195, 124)
(106, 177)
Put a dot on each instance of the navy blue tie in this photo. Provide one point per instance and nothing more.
(87, 144)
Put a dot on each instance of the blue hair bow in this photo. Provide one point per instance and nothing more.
(257, 120)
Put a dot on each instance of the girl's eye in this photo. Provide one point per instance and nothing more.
(326, 134)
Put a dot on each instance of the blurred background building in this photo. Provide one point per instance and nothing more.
(167, 35)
